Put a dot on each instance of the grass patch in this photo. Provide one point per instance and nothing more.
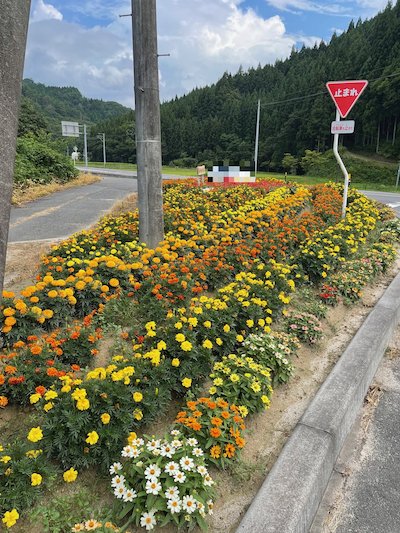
(33, 192)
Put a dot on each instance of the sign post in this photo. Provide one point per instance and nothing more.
(71, 129)
(344, 94)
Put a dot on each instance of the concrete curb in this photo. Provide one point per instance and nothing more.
(291, 493)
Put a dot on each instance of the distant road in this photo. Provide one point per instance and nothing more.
(120, 173)
(392, 199)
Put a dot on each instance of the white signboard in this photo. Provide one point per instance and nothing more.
(70, 129)
(342, 126)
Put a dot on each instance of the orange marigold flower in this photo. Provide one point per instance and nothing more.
(215, 452)
(40, 390)
(225, 415)
(229, 451)
(36, 349)
(2, 379)
(3, 401)
(215, 432)
(9, 369)
(215, 421)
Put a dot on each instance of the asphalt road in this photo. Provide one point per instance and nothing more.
(120, 173)
(392, 199)
(66, 212)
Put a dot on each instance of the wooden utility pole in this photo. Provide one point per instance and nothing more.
(148, 127)
(14, 17)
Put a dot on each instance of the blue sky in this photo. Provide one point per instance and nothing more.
(84, 43)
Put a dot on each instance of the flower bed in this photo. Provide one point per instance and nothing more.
(207, 297)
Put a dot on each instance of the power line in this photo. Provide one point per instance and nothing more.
(297, 98)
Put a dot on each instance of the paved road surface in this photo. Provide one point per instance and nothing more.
(390, 198)
(120, 173)
(66, 212)
(363, 495)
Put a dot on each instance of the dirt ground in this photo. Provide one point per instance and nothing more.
(268, 431)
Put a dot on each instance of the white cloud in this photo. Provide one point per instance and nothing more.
(43, 11)
(204, 37)
(307, 5)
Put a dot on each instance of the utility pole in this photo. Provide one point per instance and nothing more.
(148, 126)
(102, 137)
(14, 17)
(85, 144)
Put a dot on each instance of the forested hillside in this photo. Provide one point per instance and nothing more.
(218, 122)
(67, 103)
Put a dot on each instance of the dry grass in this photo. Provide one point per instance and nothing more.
(21, 196)
(129, 203)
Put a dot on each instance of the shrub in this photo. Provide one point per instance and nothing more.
(305, 326)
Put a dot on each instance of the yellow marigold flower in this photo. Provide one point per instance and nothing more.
(131, 437)
(48, 406)
(35, 434)
(137, 396)
(83, 404)
(207, 324)
(193, 321)
(207, 344)
(8, 311)
(92, 437)
(178, 325)
(10, 518)
(180, 337)
(175, 362)
(114, 282)
(5, 459)
(250, 323)
(161, 345)
(79, 394)
(187, 382)
(227, 328)
(219, 341)
(36, 479)
(186, 346)
(34, 398)
(105, 418)
(50, 395)
(138, 414)
(239, 338)
(48, 313)
(70, 475)
(10, 321)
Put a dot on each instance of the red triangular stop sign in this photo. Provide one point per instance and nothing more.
(345, 94)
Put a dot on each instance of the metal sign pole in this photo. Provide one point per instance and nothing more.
(85, 144)
(104, 149)
(398, 176)
(341, 164)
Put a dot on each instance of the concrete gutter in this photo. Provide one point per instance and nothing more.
(291, 493)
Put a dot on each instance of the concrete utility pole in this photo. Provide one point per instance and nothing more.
(14, 17)
(148, 126)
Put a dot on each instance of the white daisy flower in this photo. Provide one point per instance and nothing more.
(167, 450)
(192, 442)
(208, 482)
(171, 468)
(118, 481)
(174, 505)
(127, 451)
(115, 468)
(176, 443)
(189, 504)
(175, 432)
(197, 452)
(153, 487)
(202, 470)
(152, 471)
(172, 493)
(148, 520)
(179, 477)
(156, 452)
(210, 505)
(187, 463)
(129, 495)
(135, 452)
(137, 443)
(153, 444)
(120, 491)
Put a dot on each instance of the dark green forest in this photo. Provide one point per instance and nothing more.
(218, 122)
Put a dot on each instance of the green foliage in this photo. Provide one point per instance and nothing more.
(275, 351)
(305, 326)
(289, 163)
(25, 473)
(37, 161)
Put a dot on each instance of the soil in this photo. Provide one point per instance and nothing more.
(268, 431)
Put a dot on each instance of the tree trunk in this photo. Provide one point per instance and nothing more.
(378, 138)
(14, 17)
(394, 130)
